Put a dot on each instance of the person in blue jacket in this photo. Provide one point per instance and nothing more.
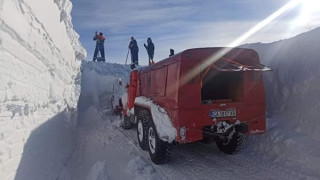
(150, 50)
(99, 38)
(134, 50)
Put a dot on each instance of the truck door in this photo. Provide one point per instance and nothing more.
(189, 92)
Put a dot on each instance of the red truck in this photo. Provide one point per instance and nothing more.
(208, 94)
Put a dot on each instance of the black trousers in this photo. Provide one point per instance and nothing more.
(101, 50)
(150, 58)
(134, 57)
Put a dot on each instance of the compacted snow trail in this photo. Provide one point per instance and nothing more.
(105, 151)
(205, 161)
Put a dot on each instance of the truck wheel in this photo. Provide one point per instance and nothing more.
(233, 146)
(143, 118)
(159, 150)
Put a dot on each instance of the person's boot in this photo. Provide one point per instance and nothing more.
(132, 66)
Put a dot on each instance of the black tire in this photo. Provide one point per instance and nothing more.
(234, 146)
(142, 124)
(159, 151)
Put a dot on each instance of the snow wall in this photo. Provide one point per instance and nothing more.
(99, 83)
(293, 100)
(39, 66)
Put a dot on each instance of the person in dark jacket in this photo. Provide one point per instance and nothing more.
(171, 52)
(99, 38)
(150, 50)
(134, 50)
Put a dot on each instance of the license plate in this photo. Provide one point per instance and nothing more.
(224, 113)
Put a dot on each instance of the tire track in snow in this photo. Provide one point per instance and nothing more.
(139, 151)
(186, 164)
(200, 161)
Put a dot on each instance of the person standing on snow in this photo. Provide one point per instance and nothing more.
(134, 50)
(171, 52)
(99, 38)
(150, 50)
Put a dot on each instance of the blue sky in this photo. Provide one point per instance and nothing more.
(182, 24)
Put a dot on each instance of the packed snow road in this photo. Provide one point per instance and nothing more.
(106, 151)
(205, 161)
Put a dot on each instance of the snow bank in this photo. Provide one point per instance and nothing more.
(163, 124)
(100, 80)
(292, 97)
(39, 64)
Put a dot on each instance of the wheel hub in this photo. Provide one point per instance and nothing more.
(152, 140)
(140, 131)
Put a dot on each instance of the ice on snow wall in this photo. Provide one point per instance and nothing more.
(39, 69)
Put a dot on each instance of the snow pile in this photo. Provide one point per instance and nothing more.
(163, 124)
(292, 97)
(40, 59)
(65, 7)
(101, 81)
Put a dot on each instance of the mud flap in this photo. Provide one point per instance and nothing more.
(127, 124)
(241, 128)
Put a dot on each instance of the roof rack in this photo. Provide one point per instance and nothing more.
(240, 67)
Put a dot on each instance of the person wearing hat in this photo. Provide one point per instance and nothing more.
(171, 52)
(134, 50)
(150, 50)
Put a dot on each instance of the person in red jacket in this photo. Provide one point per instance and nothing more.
(99, 38)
